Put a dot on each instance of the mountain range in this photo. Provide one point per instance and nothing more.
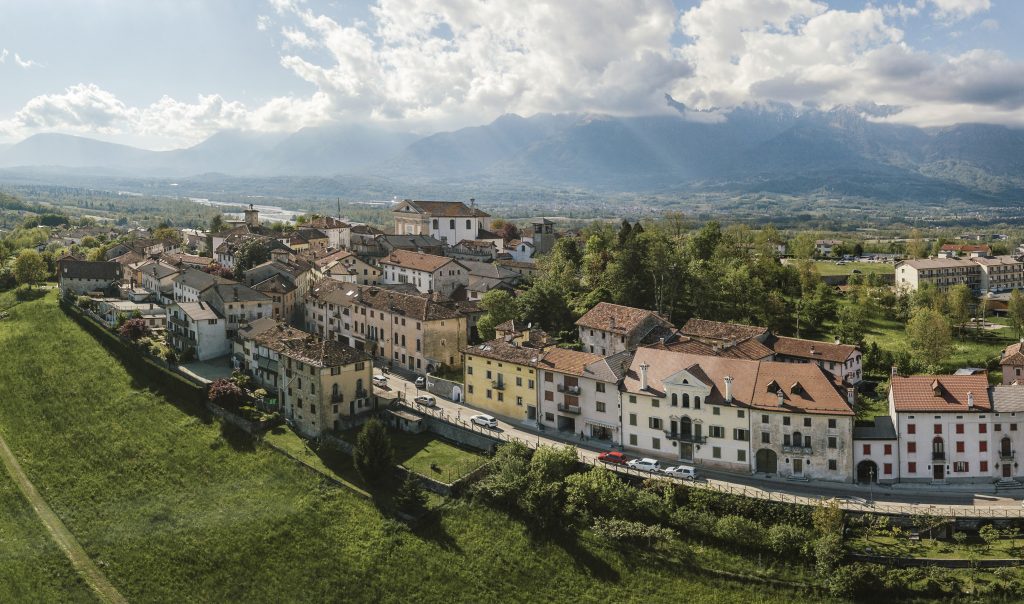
(768, 149)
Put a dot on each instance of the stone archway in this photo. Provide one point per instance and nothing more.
(766, 461)
(867, 471)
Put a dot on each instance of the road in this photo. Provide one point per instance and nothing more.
(924, 498)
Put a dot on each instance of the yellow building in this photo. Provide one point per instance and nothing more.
(501, 375)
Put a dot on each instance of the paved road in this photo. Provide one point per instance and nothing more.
(901, 498)
(60, 533)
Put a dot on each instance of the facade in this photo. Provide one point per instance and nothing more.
(157, 278)
(1011, 361)
(609, 328)
(80, 277)
(841, 360)
(338, 232)
(191, 283)
(427, 272)
(197, 330)
(237, 304)
(941, 273)
(1000, 273)
(543, 237)
(942, 423)
(824, 247)
(566, 388)
(501, 375)
(1008, 432)
(345, 266)
(876, 451)
(449, 221)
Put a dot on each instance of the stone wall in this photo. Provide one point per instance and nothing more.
(453, 391)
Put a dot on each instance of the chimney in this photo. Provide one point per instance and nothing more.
(643, 375)
(812, 350)
(894, 371)
(236, 293)
(851, 395)
(782, 397)
(728, 388)
(970, 400)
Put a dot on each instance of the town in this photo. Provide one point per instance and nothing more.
(340, 299)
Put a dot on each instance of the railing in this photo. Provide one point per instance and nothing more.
(575, 409)
(574, 390)
(797, 449)
(498, 385)
(361, 393)
(338, 398)
(699, 439)
(938, 455)
(1007, 455)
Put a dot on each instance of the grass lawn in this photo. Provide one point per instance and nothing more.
(934, 548)
(32, 567)
(178, 511)
(829, 268)
(435, 457)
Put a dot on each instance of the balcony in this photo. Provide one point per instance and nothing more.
(574, 409)
(337, 398)
(801, 450)
(938, 456)
(1007, 455)
(698, 439)
(498, 385)
(361, 393)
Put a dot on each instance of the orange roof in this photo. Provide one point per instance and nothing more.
(416, 260)
(940, 393)
(567, 361)
(1012, 354)
(615, 318)
(811, 349)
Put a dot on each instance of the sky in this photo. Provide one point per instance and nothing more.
(164, 74)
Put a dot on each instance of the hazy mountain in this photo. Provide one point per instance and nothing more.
(771, 149)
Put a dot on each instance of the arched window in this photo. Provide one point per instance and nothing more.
(798, 439)
(335, 392)
(435, 224)
(938, 446)
(696, 402)
(675, 400)
(685, 427)
(451, 224)
(686, 400)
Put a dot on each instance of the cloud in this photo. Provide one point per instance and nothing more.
(297, 38)
(262, 22)
(954, 10)
(23, 63)
(3, 55)
(80, 108)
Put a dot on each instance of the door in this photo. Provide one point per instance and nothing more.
(939, 472)
(686, 451)
(1007, 470)
(798, 467)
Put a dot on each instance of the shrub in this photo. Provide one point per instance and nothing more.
(599, 492)
(506, 479)
(788, 540)
(828, 554)
(226, 394)
(855, 580)
(411, 499)
(739, 531)
(628, 532)
(134, 329)
(373, 455)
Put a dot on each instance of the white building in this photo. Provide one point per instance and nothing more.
(196, 329)
(611, 328)
(1008, 431)
(579, 393)
(427, 272)
(942, 273)
(449, 221)
(841, 360)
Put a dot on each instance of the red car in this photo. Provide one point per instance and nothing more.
(612, 457)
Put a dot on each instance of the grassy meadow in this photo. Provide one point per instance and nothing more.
(830, 268)
(174, 510)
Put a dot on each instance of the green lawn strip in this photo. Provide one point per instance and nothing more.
(974, 547)
(32, 567)
(830, 268)
(432, 456)
(177, 511)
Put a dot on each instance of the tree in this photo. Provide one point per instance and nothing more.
(225, 393)
(702, 245)
(929, 337)
(411, 499)
(499, 306)
(251, 253)
(506, 230)
(29, 268)
(217, 223)
(858, 250)
(1015, 311)
(598, 492)
(134, 329)
(990, 535)
(959, 301)
(373, 455)
(506, 480)
(916, 247)
(851, 325)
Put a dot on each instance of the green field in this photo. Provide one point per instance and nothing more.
(176, 511)
(829, 267)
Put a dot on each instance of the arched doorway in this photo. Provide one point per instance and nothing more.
(867, 471)
(457, 394)
(766, 461)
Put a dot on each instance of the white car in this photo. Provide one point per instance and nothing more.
(646, 464)
(421, 382)
(426, 401)
(380, 381)
(484, 420)
(684, 472)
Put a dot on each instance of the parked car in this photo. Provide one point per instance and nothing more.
(612, 457)
(380, 381)
(421, 382)
(646, 464)
(484, 420)
(684, 472)
(426, 401)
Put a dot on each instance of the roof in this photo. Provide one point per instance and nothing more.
(83, 269)
(965, 247)
(236, 292)
(927, 263)
(751, 350)
(489, 270)
(327, 222)
(199, 280)
(410, 242)
(615, 318)
(1013, 354)
(563, 360)
(811, 349)
(420, 307)
(305, 347)
(416, 260)
(881, 428)
(996, 261)
(500, 349)
(198, 311)
(365, 229)
(178, 259)
(612, 368)
(523, 264)
(1008, 399)
(440, 209)
(311, 233)
(158, 269)
(474, 243)
(275, 284)
(939, 393)
(717, 330)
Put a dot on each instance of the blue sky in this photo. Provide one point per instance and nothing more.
(164, 73)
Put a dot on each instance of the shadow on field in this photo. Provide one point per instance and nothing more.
(583, 558)
(430, 528)
(237, 438)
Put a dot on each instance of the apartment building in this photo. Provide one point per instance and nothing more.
(428, 273)
(237, 304)
(579, 392)
(196, 330)
(941, 273)
(1000, 273)
(500, 375)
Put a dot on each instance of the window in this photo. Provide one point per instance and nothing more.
(529, 384)
(911, 429)
(549, 396)
(740, 413)
(686, 400)
(501, 396)
(632, 398)
(1013, 427)
(888, 449)
(488, 394)
(549, 377)
(807, 422)
(488, 374)
(983, 446)
(470, 388)
(741, 455)
(867, 449)
(632, 439)
(911, 447)
(832, 423)
(982, 428)
(632, 419)
(831, 442)
(887, 469)
(654, 423)
(655, 402)
(984, 466)
(675, 400)
(716, 452)
(997, 427)
(519, 381)
(832, 465)
(959, 446)
(716, 411)
(740, 434)
(655, 443)
(716, 432)
(938, 428)
(960, 466)
(912, 468)
(959, 428)
(519, 401)
(764, 419)
(696, 402)
(766, 438)
(600, 407)
(785, 420)
(600, 387)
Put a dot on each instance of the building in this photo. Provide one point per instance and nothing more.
(519, 249)
(485, 276)
(1011, 361)
(500, 375)
(282, 294)
(941, 273)
(157, 278)
(343, 265)
(956, 250)
(471, 249)
(449, 221)
(876, 451)
(191, 283)
(718, 332)
(338, 232)
(824, 247)
(543, 236)
(608, 328)
(196, 330)
(112, 310)
(412, 331)
(425, 244)
(579, 393)
(841, 360)
(237, 304)
(427, 272)
(320, 382)
(1008, 431)
(80, 277)
(942, 423)
(1000, 273)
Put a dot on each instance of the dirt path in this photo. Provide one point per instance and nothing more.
(60, 533)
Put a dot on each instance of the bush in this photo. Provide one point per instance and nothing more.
(226, 394)
(134, 329)
(373, 455)
(855, 580)
(506, 480)
(411, 499)
(788, 540)
(599, 492)
(739, 531)
(628, 532)
(828, 554)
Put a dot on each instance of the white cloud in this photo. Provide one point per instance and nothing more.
(262, 22)
(3, 55)
(24, 63)
(297, 38)
(959, 9)
(80, 108)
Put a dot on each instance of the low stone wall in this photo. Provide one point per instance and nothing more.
(461, 435)
(253, 427)
(453, 391)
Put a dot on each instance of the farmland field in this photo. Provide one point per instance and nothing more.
(176, 511)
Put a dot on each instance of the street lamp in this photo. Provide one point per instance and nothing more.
(871, 485)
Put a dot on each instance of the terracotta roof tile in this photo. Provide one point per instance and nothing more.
(616, 318)
(563, 360)
(939, 393)
(717, 330)
(811, 349)
(416, 261)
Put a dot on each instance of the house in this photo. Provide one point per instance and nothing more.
(750, 349)
(344, 265)
(956, 250)
(1000, 273)
(526, 269)
(195, 330)
(410, 330)
(112, 310)
(319, 382)
(718, 332)
(1007, 431)
(579, 392)
(80, 277)
(237, 304)
(519, 249)
(928, 411)
(363, 241)
(485, 276)
(610, 328)
(471, 249)
(941, 273)
(338, 231)
(500, 375)
(195, 239)
(841, 360)
(144, 247)
(875, 451)
(282, 294)
(157, 278)
(824, 247)
(449, 221)
(187, 261)
(295, 270)
(411, 243)
(191, 283)
(306, 239)
(1011, 361)
(427, 272)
